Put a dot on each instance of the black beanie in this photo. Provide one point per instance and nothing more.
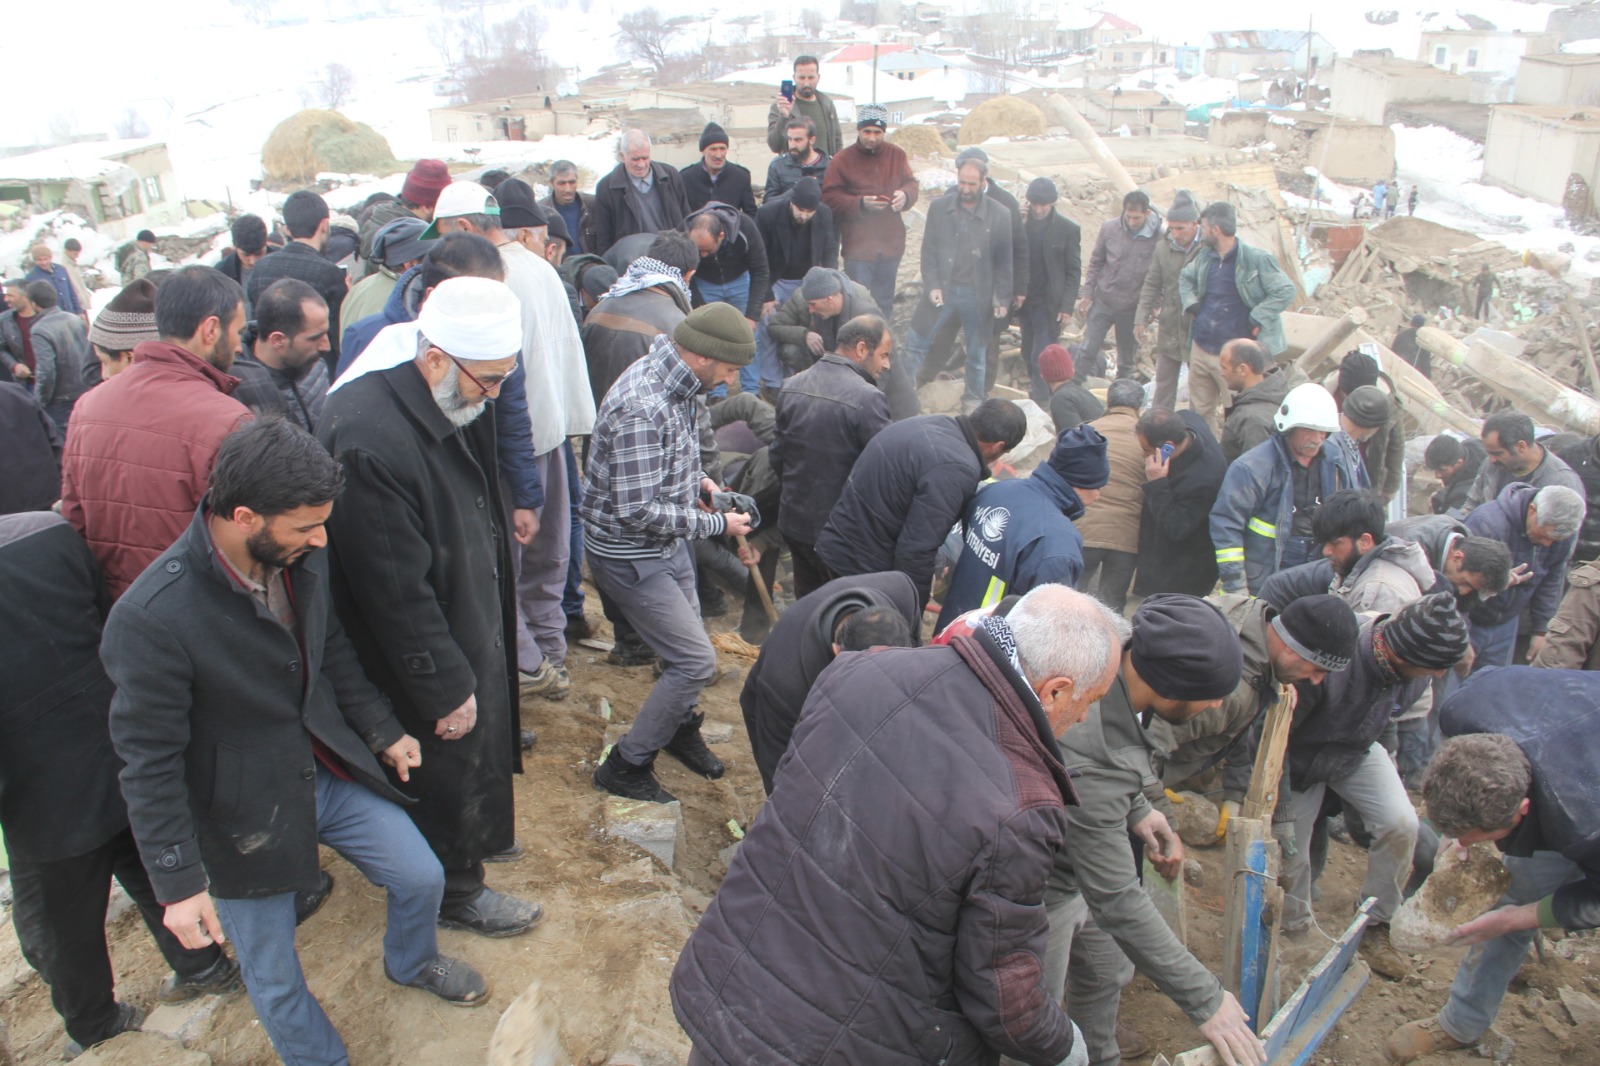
(1322, 630)
(1042, 191)
(1429, 632)
(1368, 407)
(1184, 649)
(712, 134)
(806, 194)
(1355, 370)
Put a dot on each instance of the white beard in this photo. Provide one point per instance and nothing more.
(447, 394)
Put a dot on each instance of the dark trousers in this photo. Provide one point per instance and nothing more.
(1115, 570)
(943, 354)
(1099, 323)
(1041, 327)
(60, 916)
(572, 595)
(461, 886)
(810, 572)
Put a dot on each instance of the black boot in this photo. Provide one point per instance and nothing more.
(620, 777)
(689, 748)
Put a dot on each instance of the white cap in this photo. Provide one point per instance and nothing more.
(473, 319)
(1308, 406)
(461, 198)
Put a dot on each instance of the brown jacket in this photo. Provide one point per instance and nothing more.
(1112, 521)
(1573, 641)
(854, 173)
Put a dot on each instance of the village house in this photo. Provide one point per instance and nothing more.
(1367, 84)
(1558, 78)
(1533, 149)
(120, 186)
(1236, 52)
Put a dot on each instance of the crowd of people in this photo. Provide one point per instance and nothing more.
(287, 543)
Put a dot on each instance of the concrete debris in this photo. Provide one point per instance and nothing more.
(184, 1022)
(1456, 892)
(716, 732)
(1582, 1008)
(657, 828)
(143, 1049)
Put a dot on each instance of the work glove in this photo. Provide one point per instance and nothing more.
(1230, 811)
(737, 501)
(1283, 833)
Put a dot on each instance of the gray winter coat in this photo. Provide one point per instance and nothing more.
(1119, 263)
(994, 270)
(1249, 418)
(1159, 302)
(60, 349)
(1391, 575)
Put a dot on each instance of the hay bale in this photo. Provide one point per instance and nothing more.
(1003, 116)
(310, 142)
(920, 141)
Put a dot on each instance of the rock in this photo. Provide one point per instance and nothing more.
(624, 1058)
(1582, 1007)
(183, 1022)
(143, 1049)
(716, 732)
(727, 853)
(1456, 892)
(528, 1033)
(1197, 820)
(1193, 873)
(655, 827)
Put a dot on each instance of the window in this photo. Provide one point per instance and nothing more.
(1472, 57)
(1441, 56)
(152, 190)
(1138, 59)
(1116, 57)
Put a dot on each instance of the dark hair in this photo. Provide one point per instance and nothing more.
(458, 255)
(249, 234)
(1476, 781)
(998, 421)
(1511, 427)
(192, 294)
(146, 236)
(18, 284)
(303, 212)
(796, 121)
(491, 179)
(676, 250)
(41, 294)
(1220, 213)
(873, 627)
(1137, 198)
(869, 328)
(271, 466)
(1443, 450)
(1348, 513)
(709, 222)
(806, 61)
(281, 308)
(1488, 557)
(72, 244)
(1125, 392)
(1160, 426)
(1247, 352)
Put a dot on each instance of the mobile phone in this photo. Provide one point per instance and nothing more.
(1166, 452)
(787, 88)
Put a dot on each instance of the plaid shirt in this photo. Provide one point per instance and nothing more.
(643, 476)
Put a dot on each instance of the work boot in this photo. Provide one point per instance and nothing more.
(713, 602)
(452, 980)
(631, 652)
(492, 913)
(1416, 1039)
(689, 748)
(220, 978)
(620, 777)
(550, 681)
(578, 628)
(1130, 1043)
(129, 1018)
(1381, 955)
(512, 854)
(308, 903)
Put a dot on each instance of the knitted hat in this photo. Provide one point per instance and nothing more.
(517, 209)
(1184, 649)
(145, 236)
(1080, 457)
(1368, 407)
(974, 152)
(1321, 630)
(1419, 320)
(426, 180)
(872, 115)
(717, 331)
(1429, 632)
(1356, 369)
(1184, 208)
(1042, 191)
(557, 224)
(128, 319)
(712, 134)
(1055, 364)
(821, 282)
(806, 194)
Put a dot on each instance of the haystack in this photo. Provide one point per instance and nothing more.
(1003, 116)
(310, 142)
(920, 141)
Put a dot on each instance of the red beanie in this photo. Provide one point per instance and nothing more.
(1055, 364)
(426, 180)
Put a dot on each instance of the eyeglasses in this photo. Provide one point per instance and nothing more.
(486, 385)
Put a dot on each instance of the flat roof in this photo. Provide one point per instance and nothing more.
(83, 160)
(1565, 59)
(1395, 65)
(1580, 118)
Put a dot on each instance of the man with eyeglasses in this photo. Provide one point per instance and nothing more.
(422, 577)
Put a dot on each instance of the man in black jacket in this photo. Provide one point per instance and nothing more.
(848, 614)
(1456, 462)
(733, 268)
(66, 827)
(911, 484)
(1054, 248)
(1183, 469)
(639, 196)
(714, 178)
(305, 216)
(250, 734)
(799, 233)
(826, 416)
(281, 370)
(803, 159)
(250, 245)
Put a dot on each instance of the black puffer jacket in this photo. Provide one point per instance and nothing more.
(887, 906)
(912, 483)
(826, 417)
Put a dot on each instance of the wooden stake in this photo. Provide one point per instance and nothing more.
(761, 585)
(1583, 339)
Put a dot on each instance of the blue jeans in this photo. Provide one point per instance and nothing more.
(378, 839)
(572, 595)
(737, 293)
(878, 275)
(770, 370)
(1483, 976)
(977, 320)
(1494, 645)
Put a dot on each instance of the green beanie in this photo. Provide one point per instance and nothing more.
(717, 331)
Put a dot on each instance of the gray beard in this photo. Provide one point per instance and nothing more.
(447, 395)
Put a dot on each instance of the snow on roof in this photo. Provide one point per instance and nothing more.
(84, 161)
(855, 53)
(1587, 46)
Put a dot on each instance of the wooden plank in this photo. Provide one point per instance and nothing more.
(1262, 799)
(1308, 999)
(1251, 862)
(1315, 1028)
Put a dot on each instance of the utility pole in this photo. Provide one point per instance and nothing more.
(874, 71)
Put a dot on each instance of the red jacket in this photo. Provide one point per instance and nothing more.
(854, 174)
(139, 455)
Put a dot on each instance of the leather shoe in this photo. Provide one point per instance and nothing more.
(129, 1017)
(1416, 1039)
(219, 979)
(308, 903)
(493, 914)
(452, 980)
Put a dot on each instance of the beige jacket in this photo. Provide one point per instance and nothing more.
(1573, 642)
(1112, 521)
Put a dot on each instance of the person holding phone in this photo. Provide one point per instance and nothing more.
(800, 96)
(869, 186)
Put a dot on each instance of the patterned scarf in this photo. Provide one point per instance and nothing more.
(999, 631)
(646, 273)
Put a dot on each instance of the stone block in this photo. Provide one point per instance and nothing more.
(183, 1022)
(716, 732)
(143, 1049)
(657, 828)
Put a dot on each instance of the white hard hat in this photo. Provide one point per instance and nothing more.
(1308, 406)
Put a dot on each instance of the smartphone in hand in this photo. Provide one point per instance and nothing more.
(787, 89)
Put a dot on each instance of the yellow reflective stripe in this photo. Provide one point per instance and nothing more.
(1230, 555)
(1263, 528)
(994, 593)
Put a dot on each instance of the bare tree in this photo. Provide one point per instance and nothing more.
(338, 84)
(811, 22)
(130, 124)
(63, 125)
(507, 59)
(644, 35)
